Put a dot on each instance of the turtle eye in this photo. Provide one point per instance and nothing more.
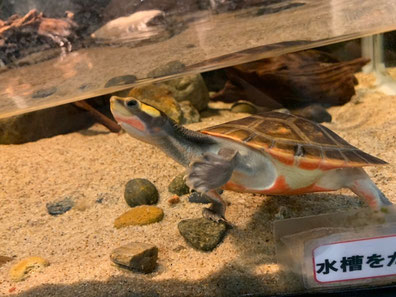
(132, 103)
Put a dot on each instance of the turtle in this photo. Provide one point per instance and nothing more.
(269, 153)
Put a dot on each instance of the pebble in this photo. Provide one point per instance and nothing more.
(4, 259)
(178, 185)
(60, 207)
(202, 234)
(139, 215)
(42, 93)
(174, 200)
(25, 267)
(121, 80)
(137, 256)
(140, 191)
(244, 107)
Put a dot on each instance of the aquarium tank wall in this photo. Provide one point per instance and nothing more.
(281, 182)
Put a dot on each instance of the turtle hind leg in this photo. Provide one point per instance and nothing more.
(364, 187)
(209, 173)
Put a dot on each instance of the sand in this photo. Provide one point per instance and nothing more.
(93, 164)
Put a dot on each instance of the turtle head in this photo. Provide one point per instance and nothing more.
(140, 120)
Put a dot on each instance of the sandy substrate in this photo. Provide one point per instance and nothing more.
(95, 164)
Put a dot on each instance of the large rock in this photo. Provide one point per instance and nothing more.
(141, 257)
(202, 234)
(189, 88)
(159, 96)
(43, 123)
(140, 191)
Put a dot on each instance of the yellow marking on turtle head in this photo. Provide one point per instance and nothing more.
(149, 110)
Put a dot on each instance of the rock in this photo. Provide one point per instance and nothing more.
(160, 97)
(189, 88)
(120, 80)
(245, 107)
(43, 123)
(140, 191)
(60, 207)
(141, 257)
(174, 200)
(196, 197)
(178, 185)
(313, 112)
(42, 93)
(202, 234)
(4, 259)
(190, 113)
(139, 215)
(22, 269)
(169, 68)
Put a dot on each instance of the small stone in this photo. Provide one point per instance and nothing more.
(178, 185)
(174, 200)
(243, 107)
(22, 269)
(4, 259)
(169, 68)
(139, 215)
(140, 191)
(44, 93)
(202, 234)
(141, 257)
(313, 112)
(196, 197)
(60, 207)
(120, 80)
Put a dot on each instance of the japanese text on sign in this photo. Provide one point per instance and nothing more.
(358, 259)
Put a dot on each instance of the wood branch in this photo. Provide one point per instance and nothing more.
(100, 117)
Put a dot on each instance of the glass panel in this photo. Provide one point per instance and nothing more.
(53, 53)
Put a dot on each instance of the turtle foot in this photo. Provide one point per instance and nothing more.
(214, 216)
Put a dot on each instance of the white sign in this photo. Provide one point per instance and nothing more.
(356, 259)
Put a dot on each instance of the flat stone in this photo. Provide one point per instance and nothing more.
(137, 256)
(178, 185)
(202, 234)
(196, 197)
(121, 80)
(25, 267)
(139, 215)
(140, 191)
(60, 207)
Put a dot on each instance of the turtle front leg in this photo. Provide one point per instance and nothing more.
(209, 173)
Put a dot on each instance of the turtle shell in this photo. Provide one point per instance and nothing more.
(294, 141)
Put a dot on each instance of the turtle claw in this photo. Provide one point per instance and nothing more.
(212, 215)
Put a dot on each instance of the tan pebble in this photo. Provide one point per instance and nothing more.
(23, 268)
(174, 200)
(140, 215)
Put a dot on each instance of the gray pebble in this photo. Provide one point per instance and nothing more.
(120, 80)
(178, 186)
(140, 191)
(44, 93)
(59, 207)
(202, 234)
(137, 256)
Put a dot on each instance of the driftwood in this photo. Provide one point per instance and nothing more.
(20, 36)
(292, 81)
(101, 118)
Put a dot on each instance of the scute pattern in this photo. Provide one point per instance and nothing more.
(294, 141)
